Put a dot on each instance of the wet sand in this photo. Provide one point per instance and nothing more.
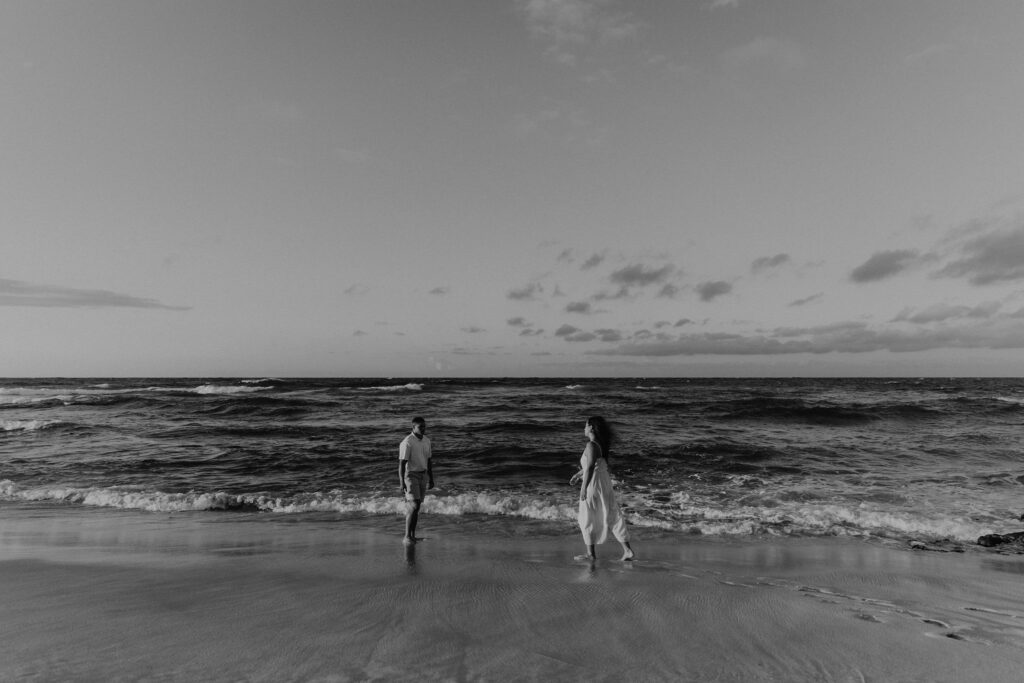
(89, 594)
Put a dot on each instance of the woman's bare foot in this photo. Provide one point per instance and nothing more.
(581, 558)
(628, 555)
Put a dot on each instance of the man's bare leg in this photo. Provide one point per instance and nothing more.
(411, 518)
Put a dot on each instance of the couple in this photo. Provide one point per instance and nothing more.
(598, 509)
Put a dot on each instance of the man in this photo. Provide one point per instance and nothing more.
(415, 474)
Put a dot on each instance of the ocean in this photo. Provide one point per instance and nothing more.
(895, 460)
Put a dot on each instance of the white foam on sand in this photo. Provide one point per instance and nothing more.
(193, 596)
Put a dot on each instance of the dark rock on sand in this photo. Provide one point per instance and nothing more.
(990, 540)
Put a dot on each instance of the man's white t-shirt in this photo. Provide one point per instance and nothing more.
(416, 451)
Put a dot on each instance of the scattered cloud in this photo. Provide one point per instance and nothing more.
(594, 261)
(944, 312)
(639, 275)
(762, 55)
(768, 262)
(578, 307)
(566, 255)
(566, 330)
(995, 332)
(621, 293)
(668, 291)
(996, 256)
(359, 333)
(18, 293)
(530, 332)
(711, 290)
(806, 300)
(439, 291)
(473, 329)
(683, 321)
(356, 290)
(883, 264)
(609, 335)
(517, 321)
(528, 292)
(568, 25)
(580, 337)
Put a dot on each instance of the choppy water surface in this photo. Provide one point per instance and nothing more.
(926, 459)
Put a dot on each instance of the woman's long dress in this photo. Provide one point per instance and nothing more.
(599, 511)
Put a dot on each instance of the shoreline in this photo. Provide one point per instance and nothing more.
(124, 595)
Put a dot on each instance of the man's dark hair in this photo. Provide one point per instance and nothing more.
(419, 421)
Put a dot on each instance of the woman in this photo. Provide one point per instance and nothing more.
(598, 510)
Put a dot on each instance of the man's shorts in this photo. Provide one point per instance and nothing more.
(415, 485)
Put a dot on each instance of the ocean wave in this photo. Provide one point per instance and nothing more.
(334, 501)
(801, 517)
(226, 390)
(395, 387)
(824, 414)
(26, 425)
(682, 517)
(67, 396)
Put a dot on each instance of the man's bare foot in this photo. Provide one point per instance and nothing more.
(581, 558)
(628, 555)
(408, 541)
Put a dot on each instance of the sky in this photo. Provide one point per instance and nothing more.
(577, 188)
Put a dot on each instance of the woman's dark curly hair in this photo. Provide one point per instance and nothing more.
(603, 434)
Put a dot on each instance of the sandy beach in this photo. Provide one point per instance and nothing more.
(89, 594)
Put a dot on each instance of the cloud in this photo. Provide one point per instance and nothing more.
(526, 293)
(993, 257)
(668, 291)
(517, 321)
(439, 291)
(997, 332)
(568, 25)
(944, 312)
(764, 55)
(718, 4)
(566, 330)
(883, 264)
(473, 329)
(530, 332)
(622, 293)
(710, 290)
(580, 337)
(609, 335)
(683, 321)
(356, 290)
(806, 300)
(18, 293)
(578, 307)
(593, 261)
(359, 333)
(639, 275)
(768, 262)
